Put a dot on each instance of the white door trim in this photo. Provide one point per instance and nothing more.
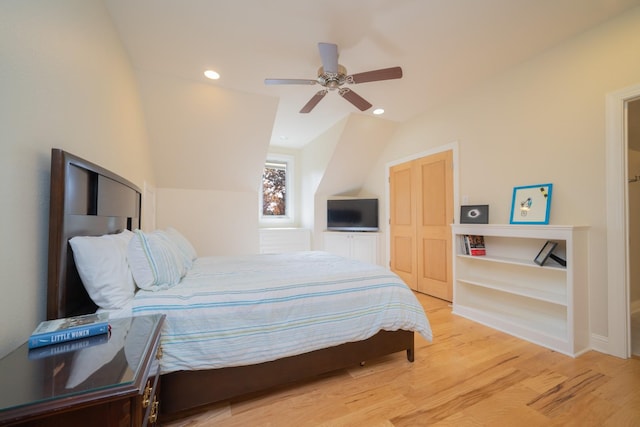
(617, 222)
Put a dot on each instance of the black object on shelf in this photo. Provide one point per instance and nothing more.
(557, 259)
(547, 252)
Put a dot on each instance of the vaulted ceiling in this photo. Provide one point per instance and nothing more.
(444, 47)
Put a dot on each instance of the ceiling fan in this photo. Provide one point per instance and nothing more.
(332, 76)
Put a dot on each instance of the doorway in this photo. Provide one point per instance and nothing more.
(618, 339)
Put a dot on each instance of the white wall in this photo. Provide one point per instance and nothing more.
(542, 121)
(360, 143)
(215, 222)
(208, 146)
(338, 163)
(65, 82)
(314, 159)
(203, 136)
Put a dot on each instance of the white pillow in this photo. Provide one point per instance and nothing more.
(184, 246)
(102, 265)
(154, 261)
(185, 263)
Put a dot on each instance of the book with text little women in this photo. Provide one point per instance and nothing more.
(68, 329)
(67, 347)
(476, 245)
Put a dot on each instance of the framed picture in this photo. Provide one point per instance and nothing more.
(474, 214)
(545, 252)
(531, 204)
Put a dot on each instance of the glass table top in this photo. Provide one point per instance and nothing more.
(62, 370)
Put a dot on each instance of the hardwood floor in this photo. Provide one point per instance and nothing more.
(470, 375)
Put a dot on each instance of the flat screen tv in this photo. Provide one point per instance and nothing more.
(352, 215)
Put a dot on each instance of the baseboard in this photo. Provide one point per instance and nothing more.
(600, 343)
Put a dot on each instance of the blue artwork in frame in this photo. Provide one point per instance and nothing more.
(531, 204)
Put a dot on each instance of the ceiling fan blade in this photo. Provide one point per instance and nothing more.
(289, 82)
(313, 101)
(360, 103)
(376, 75)
(329, 55)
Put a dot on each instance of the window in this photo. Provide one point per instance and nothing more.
(274, 189)
(276, 194)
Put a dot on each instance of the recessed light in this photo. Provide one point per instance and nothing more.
(378, 111)
(212, 75)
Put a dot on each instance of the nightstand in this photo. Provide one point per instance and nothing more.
(110, 383)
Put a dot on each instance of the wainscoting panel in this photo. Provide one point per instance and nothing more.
(278, 240)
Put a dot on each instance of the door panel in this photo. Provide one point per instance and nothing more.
(402, 224)
(434, 199)
(404, 255)
(434, 260)
(435, 276)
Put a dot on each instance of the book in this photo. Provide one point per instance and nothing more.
(476, 245)
(69, 329)
(464, 250)
(67, 347)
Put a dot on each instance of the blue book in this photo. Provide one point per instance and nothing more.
(69, 329)
(67, 347)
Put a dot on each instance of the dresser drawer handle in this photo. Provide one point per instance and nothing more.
(153, 417)
(146, 398)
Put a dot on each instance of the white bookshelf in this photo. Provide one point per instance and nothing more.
(506, 290)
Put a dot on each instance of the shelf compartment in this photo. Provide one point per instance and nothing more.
(516, 250)
(534, 320)
(503, 323)
(546, 284)
(536, 294)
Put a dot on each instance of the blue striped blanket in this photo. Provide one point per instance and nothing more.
(234, 311)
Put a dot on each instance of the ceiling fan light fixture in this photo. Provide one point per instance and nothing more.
(378, 111)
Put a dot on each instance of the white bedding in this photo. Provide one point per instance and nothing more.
(233, 311)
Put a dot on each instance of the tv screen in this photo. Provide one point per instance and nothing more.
(352, 215)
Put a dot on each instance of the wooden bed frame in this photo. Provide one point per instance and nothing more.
(89, 200)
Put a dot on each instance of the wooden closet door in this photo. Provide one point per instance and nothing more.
(402, 224)
(434, 178)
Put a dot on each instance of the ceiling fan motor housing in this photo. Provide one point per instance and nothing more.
(332, 81)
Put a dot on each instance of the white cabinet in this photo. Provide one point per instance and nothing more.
(505, 289)
(362, 246)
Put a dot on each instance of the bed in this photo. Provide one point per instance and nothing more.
(88, 200)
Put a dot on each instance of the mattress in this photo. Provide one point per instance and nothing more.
(234, 311)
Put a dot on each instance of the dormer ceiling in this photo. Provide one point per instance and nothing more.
(443, 47)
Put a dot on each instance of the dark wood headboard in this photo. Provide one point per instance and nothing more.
(86, 200)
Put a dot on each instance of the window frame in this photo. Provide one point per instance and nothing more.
(289, 216)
